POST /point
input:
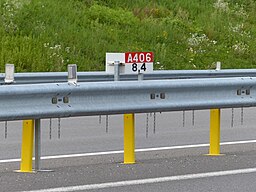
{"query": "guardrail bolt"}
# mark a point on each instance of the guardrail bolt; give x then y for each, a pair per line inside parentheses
(154, 129)
(147, 119)
(106, 123)
(66, 99)
(59, 130)
(193, 117)
(100, 119)
(184, 118)
(232, 117)
(162, 95)
(50, 128)
(152, 96)
(54, 100)
(242, 116)
(5, 130)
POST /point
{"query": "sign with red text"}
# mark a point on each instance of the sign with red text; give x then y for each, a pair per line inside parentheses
(130, 62)
(139, 62)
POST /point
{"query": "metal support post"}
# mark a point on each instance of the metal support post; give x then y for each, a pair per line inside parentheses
(129, 144)
(72, 74)
(214, 149)
(140, 76)
(218, 66)
(9, 73)
(27, 146)
(129, 139)
(116, 71)
(37, 144)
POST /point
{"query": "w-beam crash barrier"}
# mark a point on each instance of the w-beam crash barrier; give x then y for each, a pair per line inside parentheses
(56, 100)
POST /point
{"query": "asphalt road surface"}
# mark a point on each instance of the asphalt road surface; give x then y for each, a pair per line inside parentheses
(182, 168)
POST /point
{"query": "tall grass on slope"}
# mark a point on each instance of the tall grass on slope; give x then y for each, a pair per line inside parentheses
(46, 35)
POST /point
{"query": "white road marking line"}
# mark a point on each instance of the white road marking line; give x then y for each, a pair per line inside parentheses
(9, 160)
(137, 150)
(147, 181)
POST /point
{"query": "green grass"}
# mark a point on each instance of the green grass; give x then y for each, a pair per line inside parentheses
(46, 35)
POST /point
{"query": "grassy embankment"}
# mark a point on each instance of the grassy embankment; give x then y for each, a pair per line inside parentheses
(46, 35)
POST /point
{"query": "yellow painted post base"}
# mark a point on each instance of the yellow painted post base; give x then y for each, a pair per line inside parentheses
(27, 146)
(129, 139)
(215, 154)
(24, 171)
(214, 149)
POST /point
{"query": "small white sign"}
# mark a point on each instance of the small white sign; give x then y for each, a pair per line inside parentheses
(111, 58)
(132, 62)
(139, 62)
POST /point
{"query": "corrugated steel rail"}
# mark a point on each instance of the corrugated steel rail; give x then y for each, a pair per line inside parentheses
(53, 77)
(102, 98)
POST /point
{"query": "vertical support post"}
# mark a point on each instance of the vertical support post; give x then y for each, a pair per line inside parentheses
(218, 66)
(116, 71)
(129, 144)
(214, 149)
(9, 73)
(140, 76)
(37, 144)
(129, 139)
(72, 73)
(27, 146)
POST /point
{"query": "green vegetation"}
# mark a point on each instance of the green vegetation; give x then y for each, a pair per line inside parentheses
(46, 35)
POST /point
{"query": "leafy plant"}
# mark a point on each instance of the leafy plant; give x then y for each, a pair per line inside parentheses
(48, 35)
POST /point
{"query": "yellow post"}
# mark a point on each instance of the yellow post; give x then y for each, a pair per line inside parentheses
(214, 149)
(27, 146)
(129, 139)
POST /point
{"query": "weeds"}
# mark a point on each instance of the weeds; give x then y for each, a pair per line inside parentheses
(47, 35)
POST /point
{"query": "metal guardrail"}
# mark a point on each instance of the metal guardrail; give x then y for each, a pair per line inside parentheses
(102, 98)
(54, 77)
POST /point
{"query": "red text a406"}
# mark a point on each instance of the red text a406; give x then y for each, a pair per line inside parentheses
(138, 57)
